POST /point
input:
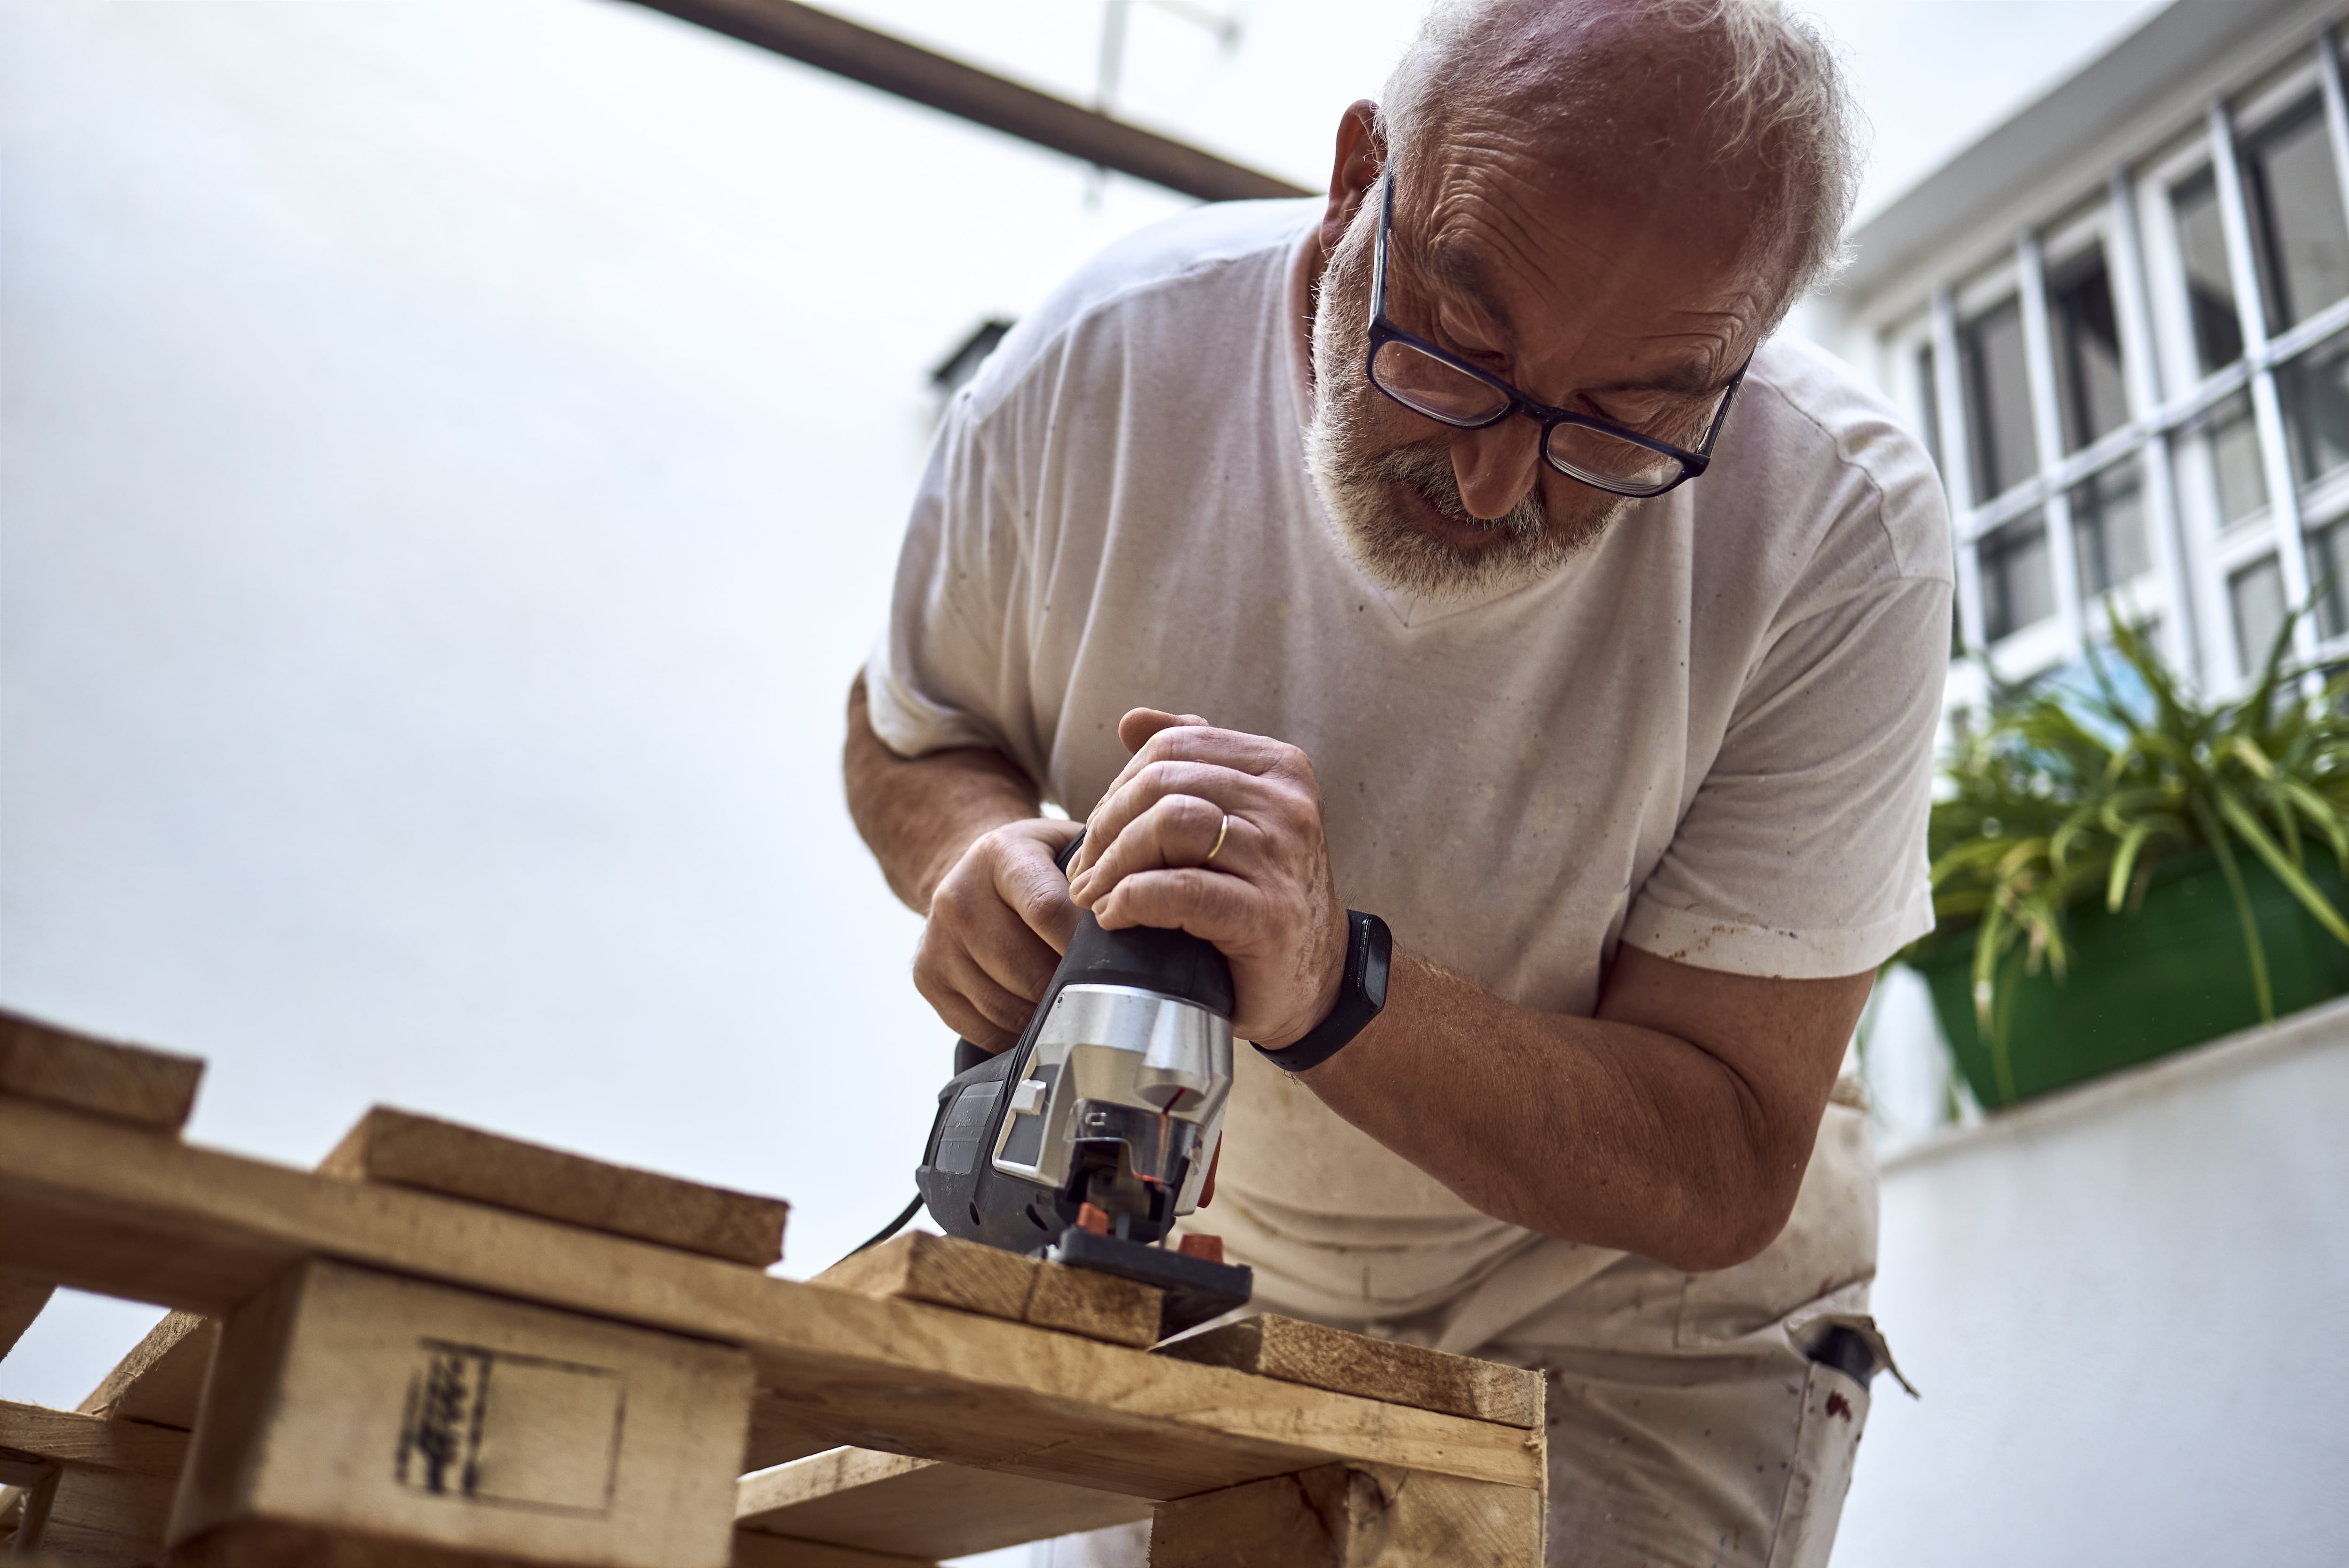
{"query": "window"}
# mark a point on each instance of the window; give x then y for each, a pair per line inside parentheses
(1998, 401)
(2297, 226)
(2018, 589)
(2256, 595)
(1929, 404)
(2087, 350)
(2108, 529)
(2328, 578)
(2209, 284)
(2314, 392)
(2226, 440)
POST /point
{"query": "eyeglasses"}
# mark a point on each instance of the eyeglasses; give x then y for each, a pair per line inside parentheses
(1438, 386)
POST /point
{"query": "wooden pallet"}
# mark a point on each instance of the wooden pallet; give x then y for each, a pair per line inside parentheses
(446, 1348)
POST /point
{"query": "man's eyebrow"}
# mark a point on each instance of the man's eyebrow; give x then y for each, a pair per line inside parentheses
(1693, 379)
(1459, 269)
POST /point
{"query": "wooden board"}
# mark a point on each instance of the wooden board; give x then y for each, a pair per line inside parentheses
(950, 1272)
(108, 1208)
(161, 1381)
(110, 1492)
(22, 1297)
(403, 1150)
(100, 1077)
(1342, 1516)
(1319, 1356)
(754, 1550)
(346, 1399)
(890, 1504)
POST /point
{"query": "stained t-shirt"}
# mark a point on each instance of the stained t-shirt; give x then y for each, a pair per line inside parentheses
(1708, 735)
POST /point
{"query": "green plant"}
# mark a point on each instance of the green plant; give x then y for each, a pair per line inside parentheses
(2056, 797)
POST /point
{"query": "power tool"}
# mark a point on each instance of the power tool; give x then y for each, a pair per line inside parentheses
(1085, 1141)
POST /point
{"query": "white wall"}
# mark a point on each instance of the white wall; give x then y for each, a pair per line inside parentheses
(2127, 1309)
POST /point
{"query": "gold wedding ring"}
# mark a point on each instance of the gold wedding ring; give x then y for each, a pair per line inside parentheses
(1220, 840)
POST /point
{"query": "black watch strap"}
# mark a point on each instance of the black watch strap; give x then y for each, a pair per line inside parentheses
(1362, 992)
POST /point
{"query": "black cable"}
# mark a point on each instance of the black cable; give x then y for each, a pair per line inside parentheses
(891, 1229)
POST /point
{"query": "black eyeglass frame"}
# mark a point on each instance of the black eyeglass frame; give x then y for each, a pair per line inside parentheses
(1383, 331)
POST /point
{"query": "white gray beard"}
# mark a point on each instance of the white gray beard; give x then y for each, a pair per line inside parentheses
(1374, 522)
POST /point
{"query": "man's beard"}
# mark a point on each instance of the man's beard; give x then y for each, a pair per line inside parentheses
(1365, 490)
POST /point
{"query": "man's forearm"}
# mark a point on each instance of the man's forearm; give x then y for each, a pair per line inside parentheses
(919, 814)
(1602, 1130)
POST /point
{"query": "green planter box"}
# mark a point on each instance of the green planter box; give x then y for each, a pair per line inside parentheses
(2139, 987)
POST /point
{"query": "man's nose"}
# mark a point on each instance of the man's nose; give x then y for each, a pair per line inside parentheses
(1496, 466)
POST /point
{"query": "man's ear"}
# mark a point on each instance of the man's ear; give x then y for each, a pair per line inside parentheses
(1362, 157)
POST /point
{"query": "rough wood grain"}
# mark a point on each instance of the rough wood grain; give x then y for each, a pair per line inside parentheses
(1296, 1351)
(1342, 1516)
(754, 1550)
(111, 1490)
(100, 1077)
(105, 1207)
(350, 1401)
(281, 1543)
(890, 1504)
(401, 1149)
(161, 1381)
(950, 1272)
(22, 1297)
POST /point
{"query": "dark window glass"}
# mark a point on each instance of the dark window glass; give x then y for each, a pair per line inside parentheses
(2314, 391)
(2256, 595)
(2087, 350)
(2297, 226)
(2328, 577)
(1998, 401)
(2017, 587)
(2210, 286)
(1929, 403)
(2108, 529)
(2229, 435)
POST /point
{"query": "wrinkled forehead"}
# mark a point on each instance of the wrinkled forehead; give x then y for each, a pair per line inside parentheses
(1510, 220)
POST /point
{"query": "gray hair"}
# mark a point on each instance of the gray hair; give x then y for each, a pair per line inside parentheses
(1782, 95)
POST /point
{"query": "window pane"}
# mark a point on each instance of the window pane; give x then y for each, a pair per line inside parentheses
(2210, 286)
(2256, 593)
(2018, 588)
(2328, 577)
(2087, 349)
(2297, 224)
(2315, 389)
(1929, 403)
(2108, 529)
(1998, 401)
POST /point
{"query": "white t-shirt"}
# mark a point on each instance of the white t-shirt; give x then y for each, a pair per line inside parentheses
(1709, 736)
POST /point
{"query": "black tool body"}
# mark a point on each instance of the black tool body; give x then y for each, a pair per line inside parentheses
(970, 1195)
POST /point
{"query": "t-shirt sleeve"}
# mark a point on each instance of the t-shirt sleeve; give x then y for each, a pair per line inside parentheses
(1803, 853)
(950, 670)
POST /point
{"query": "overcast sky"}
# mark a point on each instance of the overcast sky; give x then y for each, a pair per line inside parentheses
(451, 456)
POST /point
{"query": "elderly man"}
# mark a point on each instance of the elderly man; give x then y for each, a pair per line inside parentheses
(1510, 583)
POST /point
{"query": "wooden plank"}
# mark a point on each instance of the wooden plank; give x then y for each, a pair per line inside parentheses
(41, 1062)
(1319, 1356)
(1341, 1516)
(753, 1549)
(161, 1381)
(891, 1504)
(351, 1401)
(111, 1494)
(400, 1148)
(106, 1207)
(950, 1272)
(22, 1297)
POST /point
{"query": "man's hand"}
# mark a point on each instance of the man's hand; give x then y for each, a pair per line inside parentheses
(998, 922)
(1218, 833)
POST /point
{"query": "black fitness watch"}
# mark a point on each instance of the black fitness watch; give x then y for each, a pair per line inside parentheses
(1362, 992)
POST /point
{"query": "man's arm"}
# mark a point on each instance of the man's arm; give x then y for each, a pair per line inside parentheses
(1676, 1123)
(959, 835)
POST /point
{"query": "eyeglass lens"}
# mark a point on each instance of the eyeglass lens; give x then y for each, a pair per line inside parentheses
(1443, 392)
